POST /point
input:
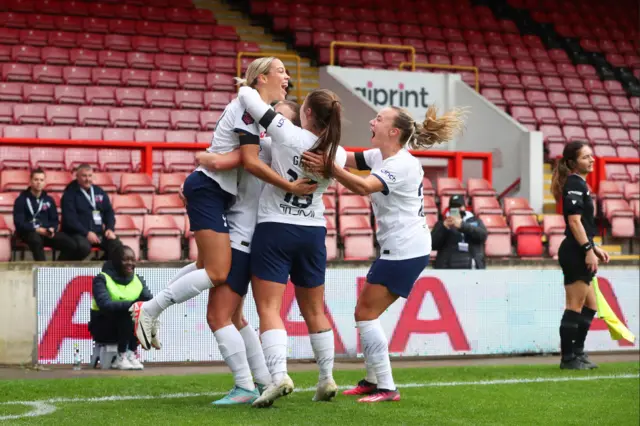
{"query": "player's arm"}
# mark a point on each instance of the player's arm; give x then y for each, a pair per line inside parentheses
(359, 185)
(277, 126)
(218, 162)
(249, 149)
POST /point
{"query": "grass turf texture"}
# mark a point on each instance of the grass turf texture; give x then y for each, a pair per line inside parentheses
(593, 402)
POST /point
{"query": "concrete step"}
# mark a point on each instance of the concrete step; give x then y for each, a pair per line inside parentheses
(625, 257)
(547, 167)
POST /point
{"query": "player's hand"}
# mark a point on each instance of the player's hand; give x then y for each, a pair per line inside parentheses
(454, 221)
(51, 232)
(207, 160)
(602, 255)
(313, 162)
(303, 186)
(592, 261)
(93, 238)
(43, 231)
(110, 235)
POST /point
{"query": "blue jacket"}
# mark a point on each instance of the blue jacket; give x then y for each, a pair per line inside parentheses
(47, 217)
(77, 213)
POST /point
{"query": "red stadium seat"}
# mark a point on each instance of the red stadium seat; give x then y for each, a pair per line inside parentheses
(14, 157)
(180, 136)
(498, 243)
(93, 116)
(72, 75)
(554, 228)
(609, 190)
(100, 95)
(38, 93)
(163, 238)
(155, 118)
(57, 180)
(547, 116)
(486, 205)
(480, 187)
(449, 186)
(620, 216)
(170, 182)
(609, 119)
(129, 204)
(14, 180)
(128, 233)
(115, 159)
(528, 235)
(62, 114)
(223, 82)
(46, 158)
(168, 204)
(86, 133)
(136, 182)
(7, 200)
(129, 96)
(180, 161)
(29, 114)
(186, 99)
(5, 240)
(125, 117)
(73, 157)
(517, 206)
(354, 204)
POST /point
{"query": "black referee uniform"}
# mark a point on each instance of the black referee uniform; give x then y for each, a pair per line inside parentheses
(574, 326)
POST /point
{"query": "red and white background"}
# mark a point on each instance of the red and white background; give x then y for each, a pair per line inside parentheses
(448, 313)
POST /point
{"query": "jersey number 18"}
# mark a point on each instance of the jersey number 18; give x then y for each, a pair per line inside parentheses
(294, 200)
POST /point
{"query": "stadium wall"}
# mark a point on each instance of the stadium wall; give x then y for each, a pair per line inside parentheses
(517, 152)
(449, 313)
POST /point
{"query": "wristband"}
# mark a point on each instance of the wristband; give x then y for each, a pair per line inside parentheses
(587, 246)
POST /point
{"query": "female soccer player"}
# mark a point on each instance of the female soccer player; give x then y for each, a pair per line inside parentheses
(395, 186)
(224, 310)
(209, 195)
(578, 255)
(290, 237)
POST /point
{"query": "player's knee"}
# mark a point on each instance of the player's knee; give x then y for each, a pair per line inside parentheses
(216, 321)
(216, 276)
(364, 313)
(239, 320)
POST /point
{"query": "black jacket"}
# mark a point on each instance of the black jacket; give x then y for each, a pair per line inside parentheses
(102, 296)
(445, 241)
(77, 216)
(47, 217)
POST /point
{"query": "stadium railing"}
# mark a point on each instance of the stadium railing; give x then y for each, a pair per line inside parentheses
(454, 158)
(410, 49)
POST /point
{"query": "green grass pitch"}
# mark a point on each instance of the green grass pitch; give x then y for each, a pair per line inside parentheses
(496, 395)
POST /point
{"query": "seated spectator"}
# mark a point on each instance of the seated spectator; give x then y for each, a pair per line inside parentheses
(459, 239)
(114, 290)
(87, 215)
(35, 216)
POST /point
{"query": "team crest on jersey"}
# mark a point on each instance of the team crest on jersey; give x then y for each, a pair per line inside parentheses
(247, 118)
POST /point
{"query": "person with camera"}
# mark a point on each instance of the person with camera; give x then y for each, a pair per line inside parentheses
(459, 238)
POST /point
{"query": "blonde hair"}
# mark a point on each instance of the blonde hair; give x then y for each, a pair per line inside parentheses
(258, 67)
(433, 130)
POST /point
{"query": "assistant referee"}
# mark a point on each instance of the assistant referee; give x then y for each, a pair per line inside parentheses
(578, 255)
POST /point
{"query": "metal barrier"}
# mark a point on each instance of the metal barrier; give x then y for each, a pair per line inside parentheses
(454, 158)
(333, 44)
(278, 55)
(601, 171)
(445, 67)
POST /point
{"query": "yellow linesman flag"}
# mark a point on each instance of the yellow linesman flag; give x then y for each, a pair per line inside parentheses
(616, 328)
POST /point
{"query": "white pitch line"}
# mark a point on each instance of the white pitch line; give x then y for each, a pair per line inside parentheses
(44, 407)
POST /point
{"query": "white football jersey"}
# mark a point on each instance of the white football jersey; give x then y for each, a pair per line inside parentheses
(288, 144)
(243, 214)
(225, 139)
(399, 210)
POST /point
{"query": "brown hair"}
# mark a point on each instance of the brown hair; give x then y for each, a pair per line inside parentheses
(294, 107)
(326, 113)
(36, 171)
(566, 165)
(433, 130)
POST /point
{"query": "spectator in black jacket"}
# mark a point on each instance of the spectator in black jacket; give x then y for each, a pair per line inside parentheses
(36, 220)
(114, 290)
(459, 239)
(87, 215)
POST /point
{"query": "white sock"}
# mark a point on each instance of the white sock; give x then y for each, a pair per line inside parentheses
(274, 346)
(232, 349)
(371, 374)
(184, 271)
(184, 288)
(255, 356)
(376, 352)
(324, 351)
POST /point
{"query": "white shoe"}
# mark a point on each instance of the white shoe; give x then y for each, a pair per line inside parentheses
(155, 334)
(122, 363)
(135, 362)
(274, 391)
(142, 325)
(326, 390)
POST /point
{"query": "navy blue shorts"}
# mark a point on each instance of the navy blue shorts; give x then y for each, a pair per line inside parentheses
(282, 250)
(240, 272)
(207, 203)
(398, 276)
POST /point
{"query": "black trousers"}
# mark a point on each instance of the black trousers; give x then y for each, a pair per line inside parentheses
(60, 242)
(84, 246)
(113, 327)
